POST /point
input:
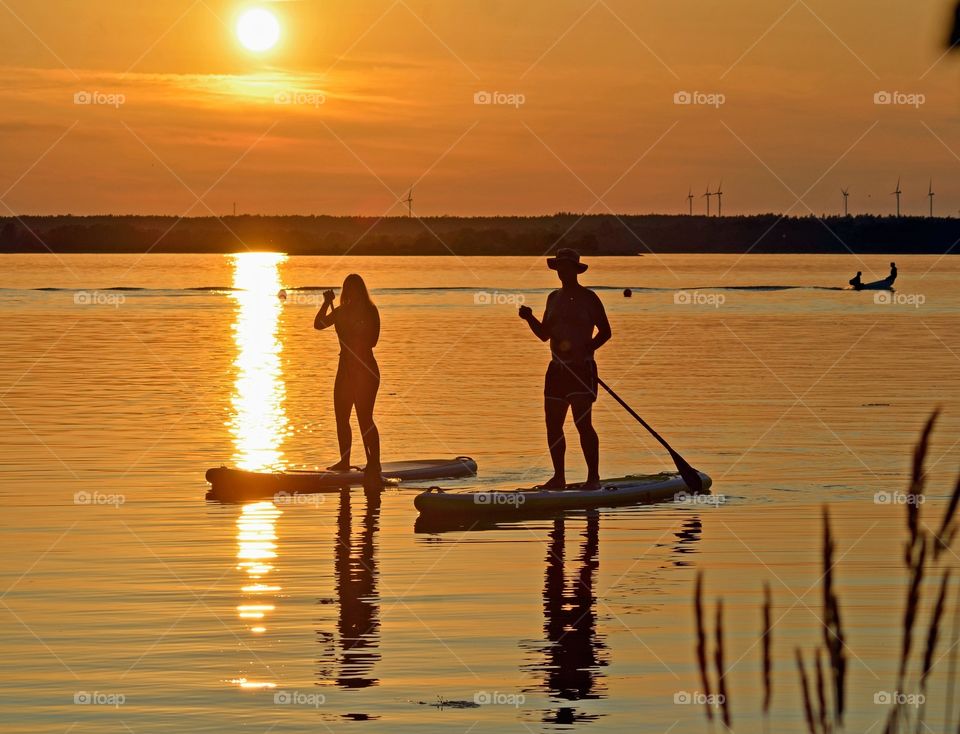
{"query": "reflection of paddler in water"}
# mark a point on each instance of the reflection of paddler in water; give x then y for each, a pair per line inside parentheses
(358, 622)
(690, 534)
(574, 653)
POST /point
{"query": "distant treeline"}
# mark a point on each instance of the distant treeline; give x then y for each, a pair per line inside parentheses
(592, 234)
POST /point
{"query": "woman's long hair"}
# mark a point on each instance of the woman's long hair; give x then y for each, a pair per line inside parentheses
(354, 294)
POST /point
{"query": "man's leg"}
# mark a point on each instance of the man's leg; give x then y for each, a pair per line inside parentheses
(582, 409)
(556, 413)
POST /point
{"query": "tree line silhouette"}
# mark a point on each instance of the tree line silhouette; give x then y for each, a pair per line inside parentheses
(463, 236)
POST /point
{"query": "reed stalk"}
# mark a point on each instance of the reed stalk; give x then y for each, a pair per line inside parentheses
(702, 642)
(721, 672)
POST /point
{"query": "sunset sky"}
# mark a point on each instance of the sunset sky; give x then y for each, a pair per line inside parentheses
(360, 99)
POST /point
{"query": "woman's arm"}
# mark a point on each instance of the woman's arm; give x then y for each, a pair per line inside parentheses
(326, 316)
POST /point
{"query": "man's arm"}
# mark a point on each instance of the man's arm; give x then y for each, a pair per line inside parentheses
(538, 327)
(603, 327)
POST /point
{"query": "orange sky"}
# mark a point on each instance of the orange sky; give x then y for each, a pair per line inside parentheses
(199, 126)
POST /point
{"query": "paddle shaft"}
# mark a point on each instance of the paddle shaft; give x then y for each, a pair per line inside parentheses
(690, 475)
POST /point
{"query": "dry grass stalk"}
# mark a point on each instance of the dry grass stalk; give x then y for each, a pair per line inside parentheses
(702, 642)
(805, 688)
(933, 632)
(913, 605)
(948, 527)
(721, 672)
(952, 667)
(821, 693)
(920, 547)
(767, 648)
(833, 629)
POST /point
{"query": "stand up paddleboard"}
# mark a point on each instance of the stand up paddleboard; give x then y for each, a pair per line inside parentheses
(504, 504)
(237, 485)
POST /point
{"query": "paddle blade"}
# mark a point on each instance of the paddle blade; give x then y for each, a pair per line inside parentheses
(691, 476)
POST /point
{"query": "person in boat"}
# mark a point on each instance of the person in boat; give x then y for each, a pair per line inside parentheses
(576, 325)
(357, 323)
(893, 273)
(856, 280)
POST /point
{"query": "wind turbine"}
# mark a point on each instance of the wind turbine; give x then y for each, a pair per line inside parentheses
(930, 195)
(690, 200)
(719, 194)
(846, 195)
(708, 194)
(897, 194)
(409, 202)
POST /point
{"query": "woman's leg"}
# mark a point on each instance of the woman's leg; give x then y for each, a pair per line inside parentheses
(342, 405)
(366, 398)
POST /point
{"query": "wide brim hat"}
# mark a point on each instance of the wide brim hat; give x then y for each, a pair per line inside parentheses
(566, 256)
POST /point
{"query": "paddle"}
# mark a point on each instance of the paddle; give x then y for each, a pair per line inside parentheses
(689, 474)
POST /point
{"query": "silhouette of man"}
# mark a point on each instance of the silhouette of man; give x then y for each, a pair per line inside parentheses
(576, 324)
(893, 272)
(856, 281)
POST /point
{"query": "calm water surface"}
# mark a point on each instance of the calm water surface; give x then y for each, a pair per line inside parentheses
(174, 614)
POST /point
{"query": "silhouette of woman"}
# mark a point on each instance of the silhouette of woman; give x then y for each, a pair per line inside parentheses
(357, 323)
(349, 656)
(356, 574)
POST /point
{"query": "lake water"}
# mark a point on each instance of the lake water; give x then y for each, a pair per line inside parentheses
(171, 613)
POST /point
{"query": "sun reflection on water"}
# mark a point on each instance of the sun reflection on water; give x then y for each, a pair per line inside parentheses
(259, 421)
(258, 425)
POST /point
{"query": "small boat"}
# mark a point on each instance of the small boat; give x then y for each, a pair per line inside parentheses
(636, 489)
(237, 485)
(878, 285)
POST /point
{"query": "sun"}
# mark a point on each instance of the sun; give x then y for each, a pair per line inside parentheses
(258, 29)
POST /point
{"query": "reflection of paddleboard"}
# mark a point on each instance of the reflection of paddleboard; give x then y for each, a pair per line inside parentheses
(631, 490)
(237, 485)
(878, 285)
